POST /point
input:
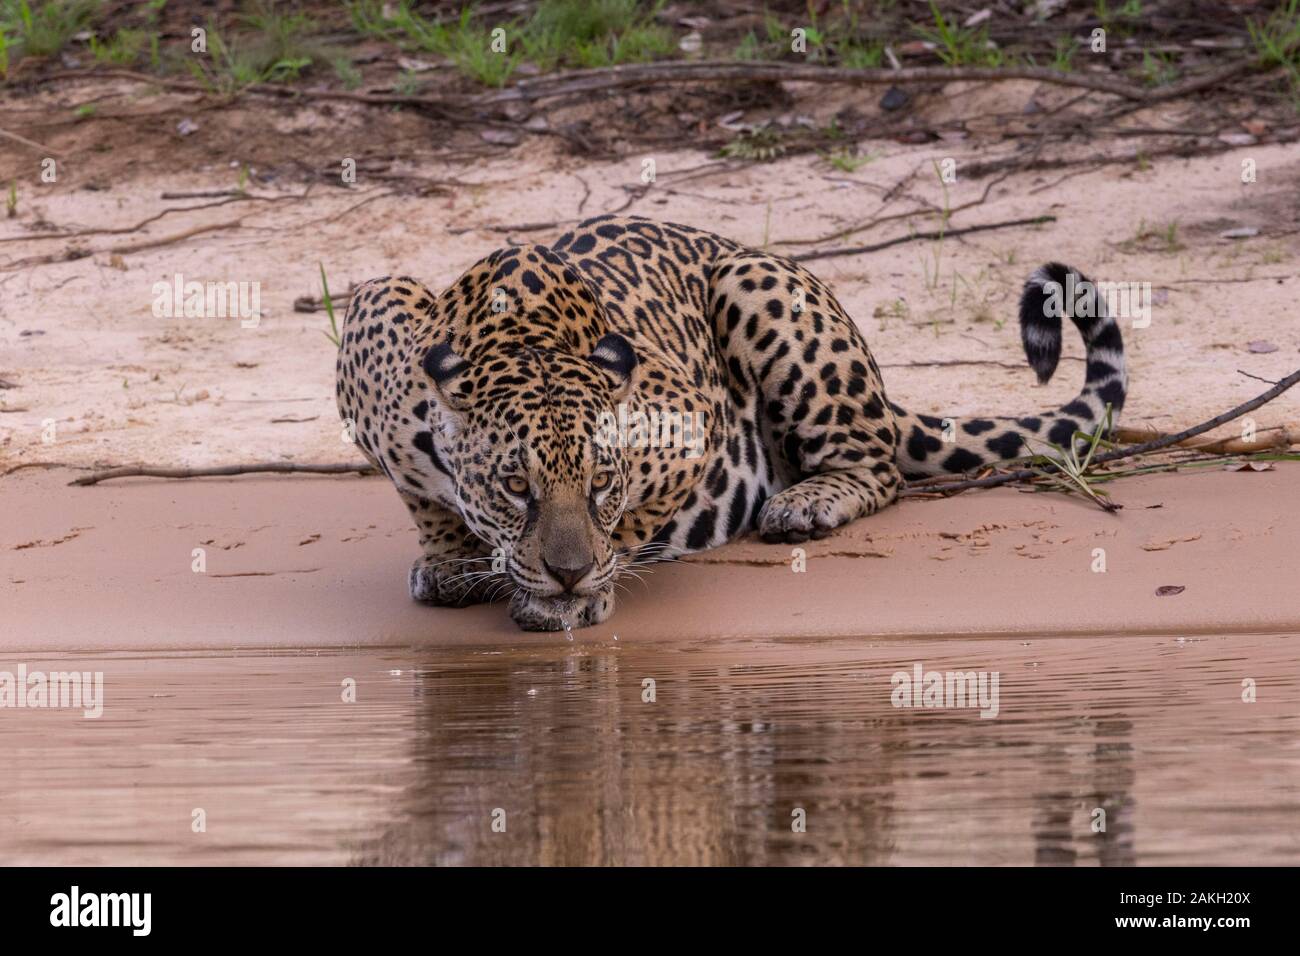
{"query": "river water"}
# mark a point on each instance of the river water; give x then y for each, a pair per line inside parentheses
(1110, 750)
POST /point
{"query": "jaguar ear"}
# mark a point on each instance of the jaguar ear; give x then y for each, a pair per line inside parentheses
(447, 369)
(614, 354)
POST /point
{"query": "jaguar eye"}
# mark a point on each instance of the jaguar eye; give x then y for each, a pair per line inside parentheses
(517, 485)
(601, 480)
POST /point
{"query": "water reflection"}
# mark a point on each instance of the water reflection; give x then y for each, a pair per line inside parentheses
(672, 753)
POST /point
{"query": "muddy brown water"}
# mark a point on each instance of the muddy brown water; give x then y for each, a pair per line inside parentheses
(747, 753)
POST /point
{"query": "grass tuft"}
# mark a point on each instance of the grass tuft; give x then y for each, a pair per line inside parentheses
(560, 33)
(41, 30)
(1277, 43)
(333, 333)
(1066, 470)
(956, 45)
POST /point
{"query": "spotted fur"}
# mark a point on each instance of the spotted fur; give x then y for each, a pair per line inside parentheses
(488, 405)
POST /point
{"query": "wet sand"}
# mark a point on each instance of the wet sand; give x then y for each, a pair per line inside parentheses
(559, 744)
(296, 562)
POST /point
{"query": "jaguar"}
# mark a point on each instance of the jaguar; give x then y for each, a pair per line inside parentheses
(638, 390)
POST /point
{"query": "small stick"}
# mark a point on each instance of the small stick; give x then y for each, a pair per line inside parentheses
(1024, 474)
(27, 142)
(917, 236)
(280, 467)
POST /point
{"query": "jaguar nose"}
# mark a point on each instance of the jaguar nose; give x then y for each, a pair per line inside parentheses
(568, 578)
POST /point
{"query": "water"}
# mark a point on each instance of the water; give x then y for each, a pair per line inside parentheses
(559, 746)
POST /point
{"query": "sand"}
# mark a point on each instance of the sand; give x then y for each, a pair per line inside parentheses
(89, 375)
(300, 562)
(100, 378)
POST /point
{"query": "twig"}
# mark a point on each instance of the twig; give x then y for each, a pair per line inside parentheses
(202, 194)
(1025, 474)
(27, 142)
(917, 236)
(724, 71)
(947, 214)
(1266, 381)
(125, 230)
(35, 464)
(278, 467)
(70, 254)
(585, 82)
(953, 363)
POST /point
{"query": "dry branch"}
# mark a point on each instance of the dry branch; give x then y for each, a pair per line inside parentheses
(455, 107)
(941, 487)
(917, 236)
(727, 71)
(276, 467)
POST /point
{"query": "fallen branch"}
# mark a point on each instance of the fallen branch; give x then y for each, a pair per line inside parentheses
(71, 254)
(929, 486)
(29, 143)
(954, 363)
(947, 214)
(729, 71)
(1178, 151)
(1270, 438)
(126, 230)
(276, 467)
(602, 79)
(918, 236)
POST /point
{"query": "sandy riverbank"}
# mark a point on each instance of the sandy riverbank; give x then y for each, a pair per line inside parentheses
(315, 562)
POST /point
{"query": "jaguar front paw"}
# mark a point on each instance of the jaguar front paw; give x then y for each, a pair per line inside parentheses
(452, 580)
(799, 513)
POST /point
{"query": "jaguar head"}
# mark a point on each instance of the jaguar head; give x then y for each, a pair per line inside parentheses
(537, 474)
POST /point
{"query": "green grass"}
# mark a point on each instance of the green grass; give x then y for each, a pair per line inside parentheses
(839, 40)
(124, 48)
(846, 160)
(1063, 51)
(1158, 68)
(268, 46)
(956, 45)
(1277, 43)
(1154, 238)
(760, 145)
(333, 333)
(591, 33)
(1119, 21)
(560, 33)
(347, 74)
(1066, 470)
(43, 29)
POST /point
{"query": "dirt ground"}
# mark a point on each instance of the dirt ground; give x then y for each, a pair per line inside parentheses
(83, 349)
(93, 377)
